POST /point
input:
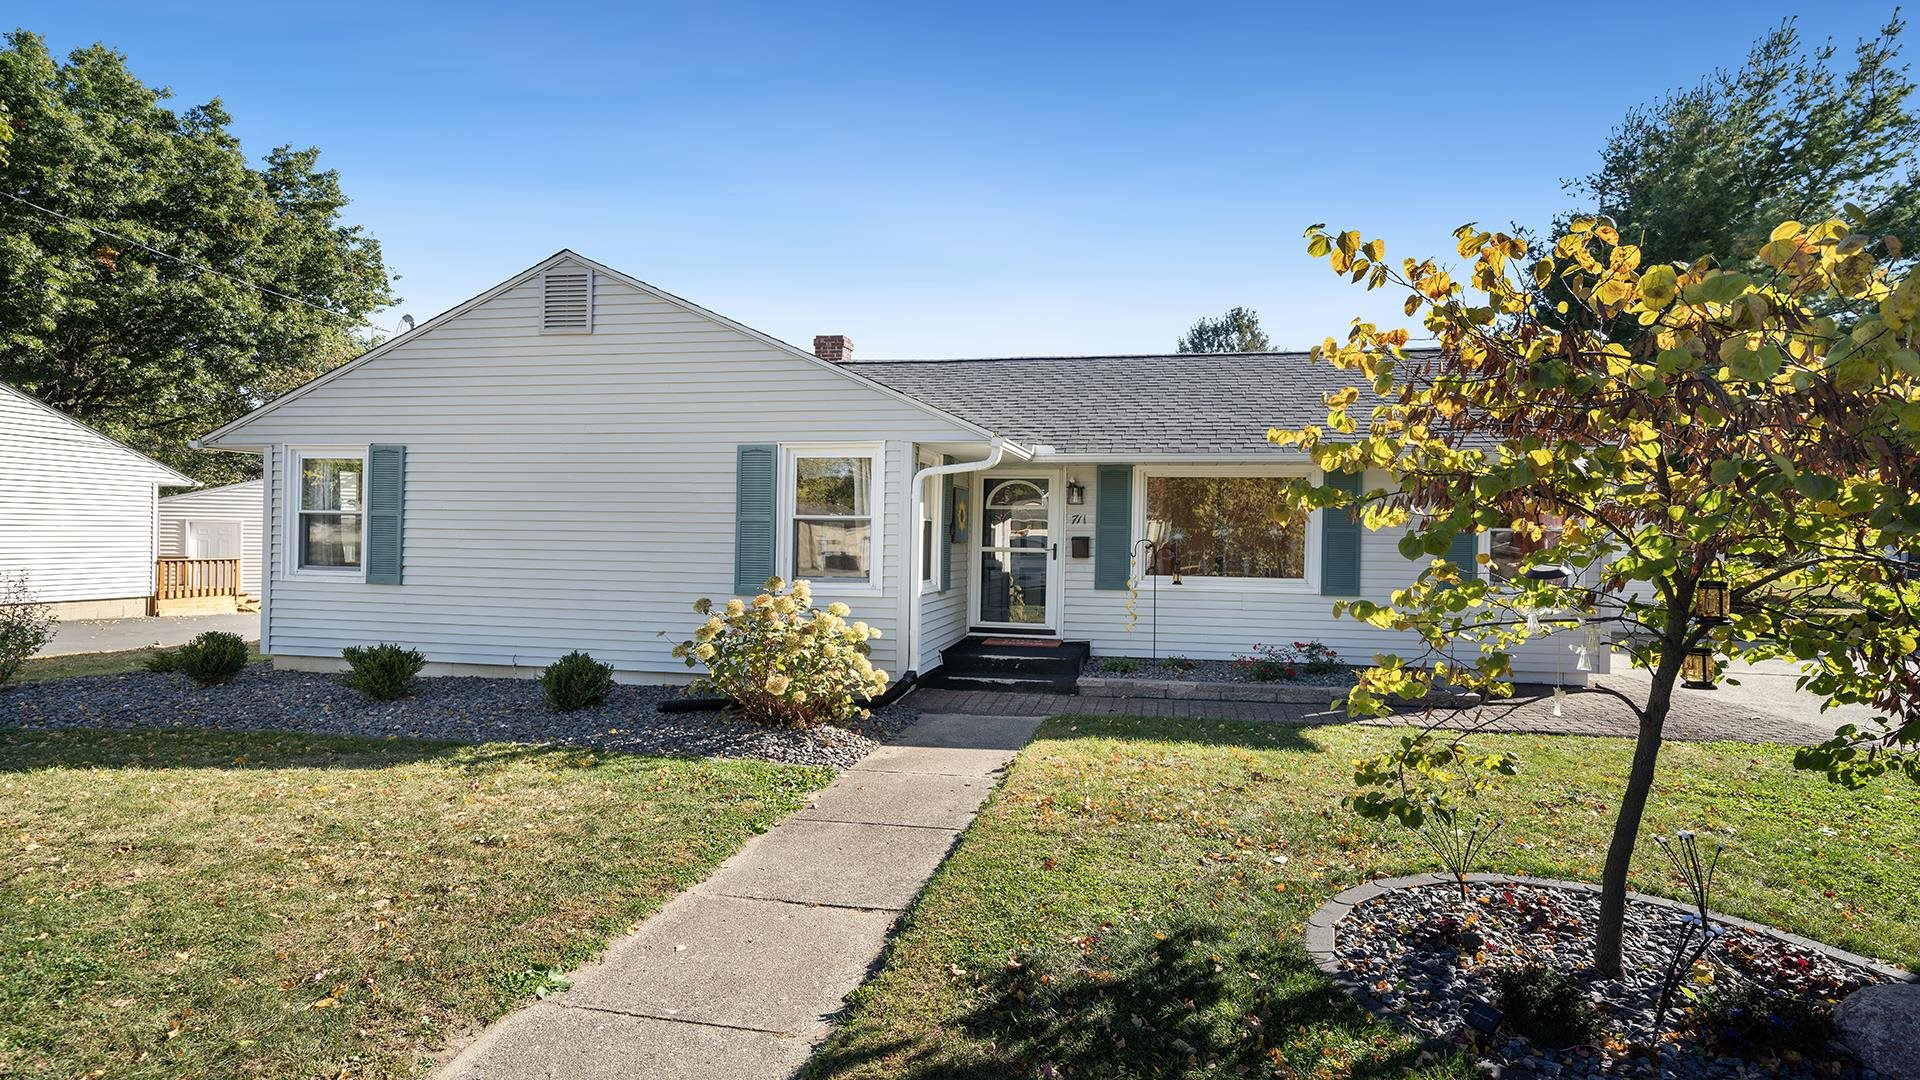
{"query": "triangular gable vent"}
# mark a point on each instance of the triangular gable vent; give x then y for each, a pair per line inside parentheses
(566, 301)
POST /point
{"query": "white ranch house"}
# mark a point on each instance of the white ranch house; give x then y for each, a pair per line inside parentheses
(568, 460)
(78, 511)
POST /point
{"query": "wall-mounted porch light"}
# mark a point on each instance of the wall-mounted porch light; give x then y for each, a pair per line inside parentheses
(1076, 493)
(1696, 670)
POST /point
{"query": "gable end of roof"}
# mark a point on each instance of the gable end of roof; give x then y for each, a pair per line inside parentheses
(166, 477)
(565, 255)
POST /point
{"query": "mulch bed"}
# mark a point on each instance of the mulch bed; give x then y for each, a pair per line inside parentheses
(454, 709)
(1426, 957)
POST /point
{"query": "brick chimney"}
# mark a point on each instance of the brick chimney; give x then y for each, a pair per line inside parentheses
(835, 348)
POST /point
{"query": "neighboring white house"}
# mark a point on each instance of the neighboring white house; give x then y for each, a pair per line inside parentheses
(568, 460)
(216, 523)
(78, 511)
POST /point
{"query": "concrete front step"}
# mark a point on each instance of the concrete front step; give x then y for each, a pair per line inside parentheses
(1010, 662)
(1008, 666)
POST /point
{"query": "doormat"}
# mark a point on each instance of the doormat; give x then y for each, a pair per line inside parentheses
(1031, 642)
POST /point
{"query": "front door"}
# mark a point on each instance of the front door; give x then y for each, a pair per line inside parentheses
(1019, 553)
(213, 540)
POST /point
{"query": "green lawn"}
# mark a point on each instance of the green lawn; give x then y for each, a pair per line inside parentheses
(187, 904)
(100, 663)
(1122, 907)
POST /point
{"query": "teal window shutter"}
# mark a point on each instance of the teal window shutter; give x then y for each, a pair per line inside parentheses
(1340, 542)
(753, 514)
(946, 526)
(386, 494)
(1112, 526)
(1464, 553)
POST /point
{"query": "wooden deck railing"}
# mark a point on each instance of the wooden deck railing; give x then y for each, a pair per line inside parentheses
(202, 584)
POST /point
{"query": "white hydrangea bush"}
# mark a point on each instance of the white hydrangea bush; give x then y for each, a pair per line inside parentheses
(783, 661)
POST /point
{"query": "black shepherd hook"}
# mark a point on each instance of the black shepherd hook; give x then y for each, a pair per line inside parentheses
(1153, 552)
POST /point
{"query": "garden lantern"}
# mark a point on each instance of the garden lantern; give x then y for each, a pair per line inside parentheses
(1696, 670)
(1711, 601)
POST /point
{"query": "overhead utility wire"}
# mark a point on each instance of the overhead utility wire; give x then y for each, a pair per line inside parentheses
(150, 249)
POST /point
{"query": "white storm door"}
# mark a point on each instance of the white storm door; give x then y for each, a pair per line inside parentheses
(1016, 572)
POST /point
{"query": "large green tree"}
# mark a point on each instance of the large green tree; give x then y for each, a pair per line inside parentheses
(1676, 433)
(1236, 331)
(1789, 135)
(155, 349)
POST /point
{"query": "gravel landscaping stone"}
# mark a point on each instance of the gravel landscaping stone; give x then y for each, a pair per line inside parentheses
(1420, 955)
(453, 709)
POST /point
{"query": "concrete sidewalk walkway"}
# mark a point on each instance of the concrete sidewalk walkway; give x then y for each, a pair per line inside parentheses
(740, 975)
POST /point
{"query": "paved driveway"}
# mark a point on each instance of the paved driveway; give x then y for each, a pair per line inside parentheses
(117, 635)
(1765, 698)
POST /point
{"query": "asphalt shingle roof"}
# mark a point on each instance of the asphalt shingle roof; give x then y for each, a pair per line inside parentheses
(1214, 403)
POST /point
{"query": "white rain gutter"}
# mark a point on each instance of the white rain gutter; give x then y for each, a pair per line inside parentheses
(997, 450)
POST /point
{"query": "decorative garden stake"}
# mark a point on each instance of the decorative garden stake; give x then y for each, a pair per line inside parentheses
(1698, 931)
(1457, 847)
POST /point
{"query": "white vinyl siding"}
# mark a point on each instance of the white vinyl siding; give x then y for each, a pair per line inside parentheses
(76, 508)
(234, 502)
(1218, 621)
(943, 615)
(573, 492)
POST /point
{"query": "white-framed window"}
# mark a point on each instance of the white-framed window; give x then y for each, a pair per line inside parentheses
(1508, 549)
(326, 503)
(831, 494)
(933, 548)
(1226, 525)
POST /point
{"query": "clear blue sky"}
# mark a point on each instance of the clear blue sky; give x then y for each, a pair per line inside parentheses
(966, 180)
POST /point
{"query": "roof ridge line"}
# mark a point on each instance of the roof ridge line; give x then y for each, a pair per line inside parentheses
(1289, 353)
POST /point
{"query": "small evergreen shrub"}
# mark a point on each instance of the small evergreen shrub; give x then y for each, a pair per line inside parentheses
(26, 624)
(1120, 665)
(576, 681)
(210, 659)
(783, 661)
(1547, 1006)
(1745, 1019)
(382, 672)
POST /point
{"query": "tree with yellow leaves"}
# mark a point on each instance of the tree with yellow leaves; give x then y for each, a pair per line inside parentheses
(1735, 473)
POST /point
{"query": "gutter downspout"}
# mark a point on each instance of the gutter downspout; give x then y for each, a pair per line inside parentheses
(998, 449)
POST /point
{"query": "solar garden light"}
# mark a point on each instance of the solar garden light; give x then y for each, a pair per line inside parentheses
(1696, 670)
(1712, 601)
